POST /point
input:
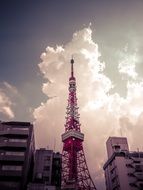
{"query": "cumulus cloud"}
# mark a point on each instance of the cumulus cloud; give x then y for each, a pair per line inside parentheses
(127, 62)
(6, 104)
(103, 113)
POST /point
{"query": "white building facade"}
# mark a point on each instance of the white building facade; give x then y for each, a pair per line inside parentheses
(123, 169)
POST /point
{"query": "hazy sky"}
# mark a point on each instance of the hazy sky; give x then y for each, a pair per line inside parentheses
(108, 67)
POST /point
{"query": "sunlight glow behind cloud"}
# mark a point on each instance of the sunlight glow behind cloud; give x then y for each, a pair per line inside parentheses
(103, 114)
(127, 64)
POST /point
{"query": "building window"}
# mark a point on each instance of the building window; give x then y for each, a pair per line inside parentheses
(18, 140)
(11, 168)
(57, 172)
(112, 171)
(47, 158)
(139, 168)
(57, 162)
(133, 185)
(10, 153)
(10, 184)
(137, 161)
(20, 128)
(141, 186)
(39, 175)
(131, 174)
(117, 148)
(47, 168)
(46, 178)
(129, 165)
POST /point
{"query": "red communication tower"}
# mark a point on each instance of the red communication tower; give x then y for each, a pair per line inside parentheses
(75, 173)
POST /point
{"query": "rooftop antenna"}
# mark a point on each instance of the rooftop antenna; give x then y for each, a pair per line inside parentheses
(138, 152)
(54, 144)
(121, 133)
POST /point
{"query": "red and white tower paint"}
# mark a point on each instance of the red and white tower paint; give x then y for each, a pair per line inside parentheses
(75, 173)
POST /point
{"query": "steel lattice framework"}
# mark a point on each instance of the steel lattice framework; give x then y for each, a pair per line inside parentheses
(75, 173)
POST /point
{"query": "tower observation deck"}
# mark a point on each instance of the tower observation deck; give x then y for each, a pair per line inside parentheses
(75, 173)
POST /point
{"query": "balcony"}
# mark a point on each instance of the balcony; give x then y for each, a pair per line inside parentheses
(112, 166)
(113, 175)
(130, 165)
(12, 158)
(139, 176)
(14, 131)
(10, 173)
(13, 144)
(131, 174)
(133, 184)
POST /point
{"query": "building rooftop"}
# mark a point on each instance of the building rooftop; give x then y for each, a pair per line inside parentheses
(17, 123)
(133, 154)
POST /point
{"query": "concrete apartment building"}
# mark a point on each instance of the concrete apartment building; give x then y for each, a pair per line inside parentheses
(16, 155)
(47, 171)
(123, 169)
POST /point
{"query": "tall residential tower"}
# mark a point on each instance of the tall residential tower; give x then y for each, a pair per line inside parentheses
(17, 148)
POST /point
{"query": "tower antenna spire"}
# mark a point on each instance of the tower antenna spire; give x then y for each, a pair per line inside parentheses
(72, 70)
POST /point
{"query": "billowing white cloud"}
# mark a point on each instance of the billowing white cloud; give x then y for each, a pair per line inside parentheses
(103, 113)
(127, 63)
(5, 105)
